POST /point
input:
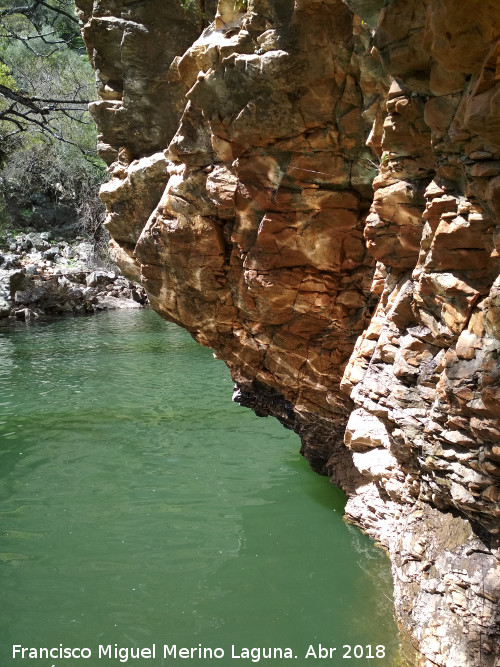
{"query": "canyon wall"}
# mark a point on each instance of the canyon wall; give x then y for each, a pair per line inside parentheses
(312, 189)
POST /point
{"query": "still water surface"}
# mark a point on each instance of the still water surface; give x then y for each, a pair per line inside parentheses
(139, 506)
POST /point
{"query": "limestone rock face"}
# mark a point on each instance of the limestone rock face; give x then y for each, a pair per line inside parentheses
(312, 189)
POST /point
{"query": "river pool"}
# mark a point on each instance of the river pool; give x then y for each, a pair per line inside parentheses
(141, 508)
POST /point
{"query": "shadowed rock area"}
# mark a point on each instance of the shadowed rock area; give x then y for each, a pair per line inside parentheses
(312, 189)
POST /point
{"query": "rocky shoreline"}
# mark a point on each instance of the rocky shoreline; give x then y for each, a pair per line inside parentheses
(42, 276)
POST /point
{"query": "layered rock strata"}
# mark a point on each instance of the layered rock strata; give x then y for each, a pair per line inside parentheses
(312, 189)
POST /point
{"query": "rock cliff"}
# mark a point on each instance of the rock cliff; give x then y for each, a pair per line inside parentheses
(312, 189)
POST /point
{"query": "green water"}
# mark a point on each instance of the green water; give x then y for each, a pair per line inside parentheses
(139, 506)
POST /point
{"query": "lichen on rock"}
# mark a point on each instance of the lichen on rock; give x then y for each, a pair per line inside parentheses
(312, 189)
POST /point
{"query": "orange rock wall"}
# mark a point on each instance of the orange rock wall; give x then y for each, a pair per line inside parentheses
(312, 189)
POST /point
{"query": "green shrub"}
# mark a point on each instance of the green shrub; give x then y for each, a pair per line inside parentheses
(49, 151)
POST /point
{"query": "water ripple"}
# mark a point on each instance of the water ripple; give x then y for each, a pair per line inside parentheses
(139, 503)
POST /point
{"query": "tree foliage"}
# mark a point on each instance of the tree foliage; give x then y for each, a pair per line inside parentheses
(47, 137)
(42, 58)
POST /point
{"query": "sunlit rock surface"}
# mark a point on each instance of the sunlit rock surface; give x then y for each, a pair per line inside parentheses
(315, 195)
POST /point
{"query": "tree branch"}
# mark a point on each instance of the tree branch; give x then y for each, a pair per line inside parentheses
(31, 102)
(58, 10)
(10, 11)
(59, 101)
(28, 10)
(20, 98)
